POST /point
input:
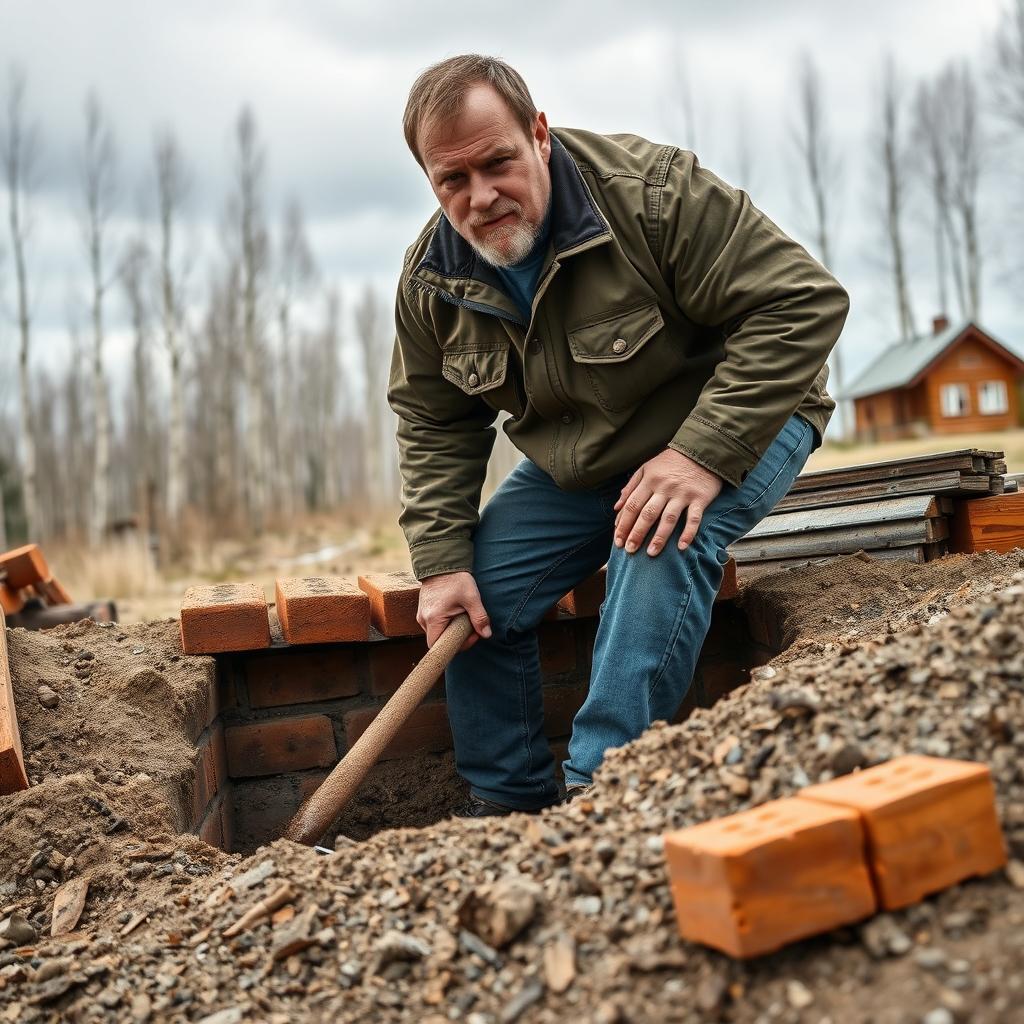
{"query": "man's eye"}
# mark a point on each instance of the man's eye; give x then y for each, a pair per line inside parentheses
(500, 160)
(451, 178)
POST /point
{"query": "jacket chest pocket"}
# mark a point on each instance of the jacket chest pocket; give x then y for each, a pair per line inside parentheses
(626, 356)
(484, 371)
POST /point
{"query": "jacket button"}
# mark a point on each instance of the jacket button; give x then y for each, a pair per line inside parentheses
(567, 417)
(535, 345)
(619, 346)
(473, 380)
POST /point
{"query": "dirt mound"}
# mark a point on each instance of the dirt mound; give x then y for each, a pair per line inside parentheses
(567, 915)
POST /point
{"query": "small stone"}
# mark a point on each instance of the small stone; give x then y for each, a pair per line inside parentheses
(17, 930)
(231, 1015)
(799, 995)
(940, 1015)
(930, 959)
(1015, 873)
(711, 993)
(848, 758)
(48, 697)
(525, 998)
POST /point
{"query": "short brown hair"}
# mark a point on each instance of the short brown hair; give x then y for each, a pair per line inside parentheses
(439, 92)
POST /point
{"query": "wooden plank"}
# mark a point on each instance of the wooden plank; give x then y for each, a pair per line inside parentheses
(943, 483)
(914, 465)
(12, 760)
(845, 540)
(989, 524)
(915, 553)
(915, 506)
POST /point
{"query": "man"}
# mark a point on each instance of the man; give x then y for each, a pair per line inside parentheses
(660, 345)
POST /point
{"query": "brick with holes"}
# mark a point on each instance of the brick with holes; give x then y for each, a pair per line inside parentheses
(322, 610)
(930, 822)
(752, 882)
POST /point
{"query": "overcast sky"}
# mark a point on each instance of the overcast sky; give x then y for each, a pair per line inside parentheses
(327, 82)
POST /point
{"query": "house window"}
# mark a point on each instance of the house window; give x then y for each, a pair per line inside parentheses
(992, 397)
(955, 400)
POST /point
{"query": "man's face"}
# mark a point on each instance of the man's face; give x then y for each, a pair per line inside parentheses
(491, 180)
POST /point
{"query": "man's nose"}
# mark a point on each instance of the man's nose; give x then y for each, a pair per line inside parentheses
(482, 195)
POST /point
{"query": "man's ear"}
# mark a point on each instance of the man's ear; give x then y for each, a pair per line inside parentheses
(542, 136)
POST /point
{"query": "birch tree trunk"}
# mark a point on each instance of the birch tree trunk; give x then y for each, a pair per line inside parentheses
(18, 150)
(98, 166)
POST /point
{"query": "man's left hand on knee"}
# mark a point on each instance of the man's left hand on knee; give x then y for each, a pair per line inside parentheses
(661, 492)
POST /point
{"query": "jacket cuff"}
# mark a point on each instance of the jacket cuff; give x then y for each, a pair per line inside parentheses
(447, 554)
(714, 449)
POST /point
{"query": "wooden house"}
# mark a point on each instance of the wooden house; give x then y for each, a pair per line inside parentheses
(956, 380)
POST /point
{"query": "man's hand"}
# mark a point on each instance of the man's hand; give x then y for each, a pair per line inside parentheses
(445, 596)
(664, 488)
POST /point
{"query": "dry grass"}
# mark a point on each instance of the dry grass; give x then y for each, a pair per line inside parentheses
(832, 456)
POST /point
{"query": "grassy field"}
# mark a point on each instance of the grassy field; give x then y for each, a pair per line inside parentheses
(831, 456)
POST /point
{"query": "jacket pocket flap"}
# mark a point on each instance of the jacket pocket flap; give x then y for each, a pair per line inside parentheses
(616, 338)
(477, 371)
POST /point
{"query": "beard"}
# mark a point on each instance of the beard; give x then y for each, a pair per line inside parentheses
(508, 244)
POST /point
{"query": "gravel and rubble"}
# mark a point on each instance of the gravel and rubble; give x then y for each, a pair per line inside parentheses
(567, 916)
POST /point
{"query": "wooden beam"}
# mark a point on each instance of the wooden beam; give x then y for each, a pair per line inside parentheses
(916, 506)
(12, 760)
(914, 465)
(940, 483)
(988, 524)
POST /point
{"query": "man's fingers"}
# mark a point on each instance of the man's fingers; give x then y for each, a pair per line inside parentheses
(646, 519)
(669, 519)
(627, 490)
(693, 517)
(629, 512)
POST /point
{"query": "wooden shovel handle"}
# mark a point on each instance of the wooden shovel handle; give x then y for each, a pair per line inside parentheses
(317, 812)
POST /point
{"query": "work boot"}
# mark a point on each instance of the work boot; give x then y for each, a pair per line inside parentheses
(574, 790)
(478, 807)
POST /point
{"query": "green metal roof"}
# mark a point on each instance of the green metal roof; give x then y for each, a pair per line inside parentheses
(902, 361)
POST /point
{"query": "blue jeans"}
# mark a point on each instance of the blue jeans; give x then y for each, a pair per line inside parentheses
(534, 543)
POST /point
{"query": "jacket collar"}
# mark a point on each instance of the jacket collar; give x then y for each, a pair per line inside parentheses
(576, 224)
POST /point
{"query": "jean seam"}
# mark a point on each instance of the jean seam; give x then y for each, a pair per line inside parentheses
(673, 637)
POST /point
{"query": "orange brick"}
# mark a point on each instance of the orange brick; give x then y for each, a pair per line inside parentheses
(11, 600)
(730, 587)
(322, 610)
(750, 883)
(218, 757)
(12, 761)
(51, 591)
(557, 647)
(280, 745)
(301, 677)
(224, 617)
(390, 663)
(585, 600)
(394, 601)
(211, 830)
(930, 822)
(426, 730)
(204, 786)
(227, 822)
(24, 566)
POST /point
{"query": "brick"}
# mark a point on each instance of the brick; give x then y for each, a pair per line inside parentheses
(750, 883)
(426, 730)
(995, 523)
(218, 756)
(262, 808)
(204, 785)
(11, 600)
(224, 617)
(730, 586)
(930, 823)
(12, 760)
(584, 601)
(322, 610)
(390, 663)
(560, 706)
(557, 648)
(24, 566)
(227, 822)
(394, 601)
(300, 677)
(280, 745)
(211, 828)
(52, 591)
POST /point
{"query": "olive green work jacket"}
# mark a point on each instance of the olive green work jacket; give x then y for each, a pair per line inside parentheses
(670, 312)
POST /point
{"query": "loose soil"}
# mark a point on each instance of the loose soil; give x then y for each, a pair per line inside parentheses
(562, 916)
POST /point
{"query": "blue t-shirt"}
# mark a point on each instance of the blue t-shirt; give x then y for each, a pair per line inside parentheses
(521, 278)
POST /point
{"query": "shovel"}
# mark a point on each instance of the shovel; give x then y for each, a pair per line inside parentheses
(321, 808)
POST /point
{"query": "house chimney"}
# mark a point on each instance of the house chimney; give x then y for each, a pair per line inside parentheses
(939, 323)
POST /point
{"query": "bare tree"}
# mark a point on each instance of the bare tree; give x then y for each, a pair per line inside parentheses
(820, 166)
(369, 323)
(251, 242)
(296, 271)
(892, 158)
(171, 190)
(98, 167)
(1007, 72)
(19, 152)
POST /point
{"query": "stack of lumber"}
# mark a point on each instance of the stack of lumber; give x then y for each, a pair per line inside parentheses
(900, 509)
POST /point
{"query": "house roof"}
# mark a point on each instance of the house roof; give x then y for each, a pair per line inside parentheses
(898, 365)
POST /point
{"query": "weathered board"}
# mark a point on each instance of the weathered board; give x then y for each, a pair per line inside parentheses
(953, 483)
(915, 506)
(12, 761)
(919, 553)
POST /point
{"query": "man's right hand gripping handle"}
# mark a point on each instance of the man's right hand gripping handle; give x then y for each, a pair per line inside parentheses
(447, 595)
